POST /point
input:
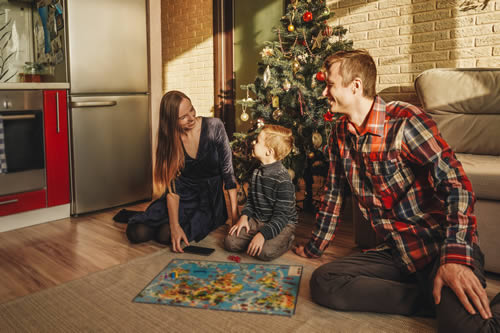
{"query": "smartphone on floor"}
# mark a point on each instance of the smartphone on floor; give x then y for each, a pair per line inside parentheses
(204, 251)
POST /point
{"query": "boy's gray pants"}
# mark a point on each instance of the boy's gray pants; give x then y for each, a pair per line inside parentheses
(272, 248)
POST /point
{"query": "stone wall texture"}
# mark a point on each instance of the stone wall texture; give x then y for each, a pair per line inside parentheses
(406, 37)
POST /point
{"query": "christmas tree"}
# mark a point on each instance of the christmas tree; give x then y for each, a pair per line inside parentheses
(287, 90)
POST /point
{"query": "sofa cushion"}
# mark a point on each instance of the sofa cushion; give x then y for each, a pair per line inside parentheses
(484, 173)
(465, 104)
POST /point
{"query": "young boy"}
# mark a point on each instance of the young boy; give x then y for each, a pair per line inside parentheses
(267, 224)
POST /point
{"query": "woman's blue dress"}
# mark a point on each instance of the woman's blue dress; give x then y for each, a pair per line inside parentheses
(202, 207)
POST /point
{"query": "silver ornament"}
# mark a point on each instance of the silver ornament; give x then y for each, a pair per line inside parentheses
(287, 85)
(244, 116)
(267, 76)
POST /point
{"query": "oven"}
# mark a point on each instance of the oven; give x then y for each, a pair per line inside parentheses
(21, 114)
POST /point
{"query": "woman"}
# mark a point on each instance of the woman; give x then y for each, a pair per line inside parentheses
(193, 160)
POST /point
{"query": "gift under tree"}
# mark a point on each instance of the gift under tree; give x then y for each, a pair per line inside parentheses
(287, 91)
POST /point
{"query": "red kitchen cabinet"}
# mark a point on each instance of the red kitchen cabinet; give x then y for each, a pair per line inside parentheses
(21, 202)
(55, 116)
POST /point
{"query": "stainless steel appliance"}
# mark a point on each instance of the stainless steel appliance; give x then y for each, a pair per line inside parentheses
(22, 116)
(109, 103)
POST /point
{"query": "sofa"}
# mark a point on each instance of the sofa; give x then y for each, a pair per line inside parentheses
(465, 104)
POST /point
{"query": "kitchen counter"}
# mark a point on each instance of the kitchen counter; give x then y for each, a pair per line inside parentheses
(34, 85)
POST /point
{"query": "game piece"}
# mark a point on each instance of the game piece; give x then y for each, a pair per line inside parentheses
(234, 258)
(173, 275)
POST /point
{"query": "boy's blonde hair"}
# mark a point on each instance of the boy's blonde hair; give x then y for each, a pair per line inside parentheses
(279, 139)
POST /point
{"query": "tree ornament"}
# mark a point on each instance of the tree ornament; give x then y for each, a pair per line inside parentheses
(260, 123)
(244, 116)
(277, 114)
(320, 76)
(317, 40)
(287, 85)
(307, 17)
(310, 155)
(328, 31)
(267, 76)
(316, 139)
(291, 27)
(328, 116)
(295, 66)
(291, 173)
(326, 11)
(276, 102)
(313, 82)
(267, 52)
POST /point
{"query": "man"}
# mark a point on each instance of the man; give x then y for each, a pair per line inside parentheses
(410, 186)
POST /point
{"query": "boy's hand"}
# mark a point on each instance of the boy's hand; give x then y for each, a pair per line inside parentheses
(255, 246)
(242, 223)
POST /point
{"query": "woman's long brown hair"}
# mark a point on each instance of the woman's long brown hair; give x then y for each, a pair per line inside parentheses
(169, 152)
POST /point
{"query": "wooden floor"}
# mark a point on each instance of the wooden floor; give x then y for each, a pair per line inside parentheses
(46, 255)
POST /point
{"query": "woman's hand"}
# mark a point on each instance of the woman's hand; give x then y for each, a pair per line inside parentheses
(177, 235)
(242, 223)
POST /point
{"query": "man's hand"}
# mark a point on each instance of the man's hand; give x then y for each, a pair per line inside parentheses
(242, 223)
(177, 235)
(255, 246)
(465, 285)
(299, 250)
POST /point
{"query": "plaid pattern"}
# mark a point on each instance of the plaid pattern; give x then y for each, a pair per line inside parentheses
(408, 184)
(3, 158)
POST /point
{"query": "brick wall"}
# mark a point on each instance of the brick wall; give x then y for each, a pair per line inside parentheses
(187, 51)
(406, 37)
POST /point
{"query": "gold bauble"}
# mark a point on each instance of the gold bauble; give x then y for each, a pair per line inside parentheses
(317, 140)
(291, 28)
(244, 116)
(310, 155)
(277, 114)
(295, 66)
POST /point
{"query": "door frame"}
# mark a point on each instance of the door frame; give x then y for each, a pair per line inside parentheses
(224, 90)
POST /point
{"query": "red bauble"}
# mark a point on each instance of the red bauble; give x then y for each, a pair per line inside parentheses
(308, 16)
(303, 42)
(328, 116)
(320, 76)
(328, 31)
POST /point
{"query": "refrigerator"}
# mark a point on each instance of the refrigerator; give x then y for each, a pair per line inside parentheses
(108, 103)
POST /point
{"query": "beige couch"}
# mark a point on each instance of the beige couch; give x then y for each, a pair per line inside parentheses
(465, 104)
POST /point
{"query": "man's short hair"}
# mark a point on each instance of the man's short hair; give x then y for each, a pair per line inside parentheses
(353, 64)
(279, 139)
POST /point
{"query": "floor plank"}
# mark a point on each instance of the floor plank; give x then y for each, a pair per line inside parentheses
(46, 255)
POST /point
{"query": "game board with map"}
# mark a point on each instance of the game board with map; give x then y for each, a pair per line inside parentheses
(230, 286)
